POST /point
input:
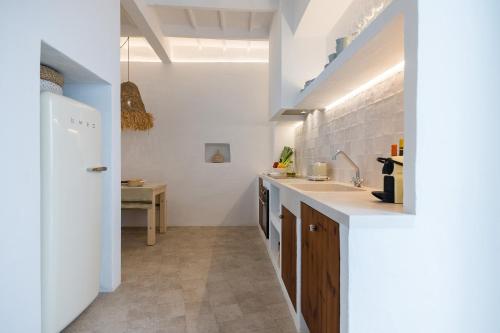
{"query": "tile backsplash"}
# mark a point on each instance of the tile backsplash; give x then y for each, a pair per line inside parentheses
(364, 127)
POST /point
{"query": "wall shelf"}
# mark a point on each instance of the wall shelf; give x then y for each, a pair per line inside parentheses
(378, 48)
(223, 149)
(388, 44)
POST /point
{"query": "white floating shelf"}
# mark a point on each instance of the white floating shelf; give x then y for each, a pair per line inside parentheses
(378, 48)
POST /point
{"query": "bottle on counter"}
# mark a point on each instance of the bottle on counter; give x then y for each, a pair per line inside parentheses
(394, 150)
(290, 170)
(401, 146)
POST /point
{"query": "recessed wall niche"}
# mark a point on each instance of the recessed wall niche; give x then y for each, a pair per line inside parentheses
(217, 153)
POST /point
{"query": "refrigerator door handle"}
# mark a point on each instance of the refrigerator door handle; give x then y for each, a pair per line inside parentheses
(97, 169)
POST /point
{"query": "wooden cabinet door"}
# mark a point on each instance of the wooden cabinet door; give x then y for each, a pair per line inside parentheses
(311, 270)
(331, 275)
(320, 283)
(289, 253)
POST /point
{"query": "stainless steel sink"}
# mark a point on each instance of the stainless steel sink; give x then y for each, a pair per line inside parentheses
(326, 187)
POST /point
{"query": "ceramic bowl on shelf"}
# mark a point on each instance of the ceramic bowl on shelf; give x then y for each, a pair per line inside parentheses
(342, 43)
(308, 82)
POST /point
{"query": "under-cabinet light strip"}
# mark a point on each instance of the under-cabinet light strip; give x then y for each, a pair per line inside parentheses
(365, 86)
(204, 60)
(221, 60)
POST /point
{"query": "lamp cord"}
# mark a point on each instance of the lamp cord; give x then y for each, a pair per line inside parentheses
(128, 56)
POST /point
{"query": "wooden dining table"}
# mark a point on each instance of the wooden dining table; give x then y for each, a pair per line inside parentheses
(147, 197)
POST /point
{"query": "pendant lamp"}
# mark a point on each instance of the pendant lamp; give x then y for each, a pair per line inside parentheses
(134, 115)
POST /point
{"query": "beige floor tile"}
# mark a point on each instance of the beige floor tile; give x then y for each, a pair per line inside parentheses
(278, 311)
(170, 296)
(171, 310)
(222, 298)
(286, 325)
(227, 313)
(204, 323)
(250, 323)
(172, 325)
(194, 280)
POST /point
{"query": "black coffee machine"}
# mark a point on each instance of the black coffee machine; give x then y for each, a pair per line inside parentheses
(393, 180)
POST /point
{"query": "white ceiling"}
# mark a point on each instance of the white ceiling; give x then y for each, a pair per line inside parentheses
(199, 30)
(206, 22)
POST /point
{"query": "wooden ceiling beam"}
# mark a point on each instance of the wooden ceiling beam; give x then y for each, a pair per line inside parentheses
(222, 20)
(144, 17)
(251, 21)
(229, 5)
(192, 18)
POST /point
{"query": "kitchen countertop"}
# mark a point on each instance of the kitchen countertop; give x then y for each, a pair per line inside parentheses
(354, 209)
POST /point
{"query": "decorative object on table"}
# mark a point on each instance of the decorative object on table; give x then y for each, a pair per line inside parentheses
(217, 152)
(342, 43)
(51, 80)
(133, 115)
(218, 157)
(135, 182)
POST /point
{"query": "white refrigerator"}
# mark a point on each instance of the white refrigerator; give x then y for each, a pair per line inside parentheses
(71, 205)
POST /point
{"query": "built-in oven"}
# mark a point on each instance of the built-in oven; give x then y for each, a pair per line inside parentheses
(264, 208)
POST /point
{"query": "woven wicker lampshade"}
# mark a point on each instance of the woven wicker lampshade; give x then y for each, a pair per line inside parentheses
(134, 115)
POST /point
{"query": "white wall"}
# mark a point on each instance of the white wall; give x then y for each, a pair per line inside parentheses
(87, 32)
(275, 69)
(292, 60)
(457, 128)
(442, 273)
(364, 127)
(283, 135)
(194, 104)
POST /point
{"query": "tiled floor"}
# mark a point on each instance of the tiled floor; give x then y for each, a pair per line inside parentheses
(194, 280)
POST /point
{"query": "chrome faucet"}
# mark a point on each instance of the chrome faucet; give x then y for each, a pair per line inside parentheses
(357, 180)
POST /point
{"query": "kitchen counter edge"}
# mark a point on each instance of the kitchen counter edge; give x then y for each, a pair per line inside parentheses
(356, 216)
